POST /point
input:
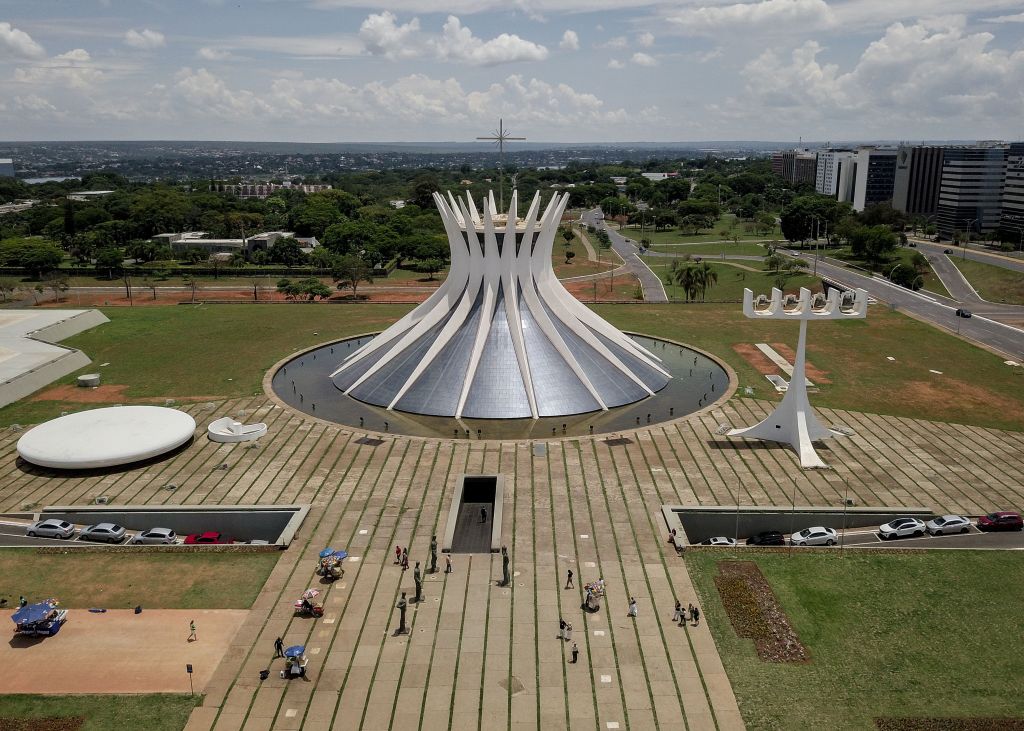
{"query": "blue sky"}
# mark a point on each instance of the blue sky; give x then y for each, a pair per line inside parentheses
(556, 70)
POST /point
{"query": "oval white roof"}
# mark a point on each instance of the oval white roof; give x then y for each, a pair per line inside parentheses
(106, 437)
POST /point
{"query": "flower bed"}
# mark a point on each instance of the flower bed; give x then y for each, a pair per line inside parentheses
(755, 613)
(950, 724)
(54, 723)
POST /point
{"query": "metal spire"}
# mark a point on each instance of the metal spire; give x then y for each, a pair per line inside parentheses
(499, 137)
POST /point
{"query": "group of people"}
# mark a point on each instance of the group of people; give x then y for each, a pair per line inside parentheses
(402, 559)
(682, 616)
(565, 635)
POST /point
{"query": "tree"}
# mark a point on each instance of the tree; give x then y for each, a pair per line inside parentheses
(683, 274)
(109, 259)
(706, 277)
(350, 270)
(872, 243)
(8, 286)
(311, 288)
(33, 254)
(192, 282)
(194, 255)
(423, 188)
(774, 261)
(288, 251)
(569, 256)
(906, 276)
(567, 235)
(322, 258)
(432, 266)
(764, 223)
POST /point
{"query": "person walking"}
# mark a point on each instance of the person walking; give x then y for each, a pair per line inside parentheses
(632, 607)
(192, 637)
(575, 653)
(561, 629)
(696, 616)
(568, 632)
(278, 647)
(688, 613)
(405, 559)
(678, 616)
(22, 601)
(398, 555)
(568, 579)
(483, 515)
(447, 563)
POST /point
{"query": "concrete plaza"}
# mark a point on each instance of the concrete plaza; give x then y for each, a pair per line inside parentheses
(482, 656)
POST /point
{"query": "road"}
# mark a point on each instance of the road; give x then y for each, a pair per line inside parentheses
(1008, 540)
(654, 290)
(15, 536)
(985, 257)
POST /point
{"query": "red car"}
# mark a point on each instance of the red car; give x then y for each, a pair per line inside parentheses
(1004, 520)
(208, 538)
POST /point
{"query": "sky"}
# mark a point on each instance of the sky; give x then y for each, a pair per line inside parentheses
(554, 70)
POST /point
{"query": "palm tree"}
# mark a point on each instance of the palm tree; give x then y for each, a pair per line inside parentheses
(683, 274)
(707, 277)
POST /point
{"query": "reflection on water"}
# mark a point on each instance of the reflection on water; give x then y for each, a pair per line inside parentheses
(304, 383)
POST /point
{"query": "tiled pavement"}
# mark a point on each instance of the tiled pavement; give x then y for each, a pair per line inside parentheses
(481, 656)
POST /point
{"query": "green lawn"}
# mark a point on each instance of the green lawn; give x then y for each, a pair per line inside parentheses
(991, 282)
(223, 351)
(728, 223)
(732, 279)
(902, 254)
(928, 633)
(156, 712)
(81, 579)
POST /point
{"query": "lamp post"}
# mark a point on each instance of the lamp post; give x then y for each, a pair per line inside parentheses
(970, 226)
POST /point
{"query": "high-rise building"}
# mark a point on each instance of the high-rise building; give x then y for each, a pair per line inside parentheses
(1011, 222)
(796, 166)
(6, 167)
(829, 170)
(875, 176)
(918, 175)
(971, 191)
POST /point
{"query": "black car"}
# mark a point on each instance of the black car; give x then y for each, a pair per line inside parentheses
(963, 313)
(767, 538)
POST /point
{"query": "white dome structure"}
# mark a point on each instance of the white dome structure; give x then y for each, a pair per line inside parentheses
(501, 338)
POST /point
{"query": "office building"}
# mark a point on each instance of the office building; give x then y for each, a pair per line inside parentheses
(1012, 217)
(918, 175)
(829, 170)
(971, 190)
(796, 166)
(264, 190)
(875, 176)
(6, 167)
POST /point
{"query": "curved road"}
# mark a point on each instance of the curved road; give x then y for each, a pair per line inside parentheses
(654, 290)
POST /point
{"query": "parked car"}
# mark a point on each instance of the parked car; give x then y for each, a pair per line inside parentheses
(107, 532)
(912, 244)
(900, 527)
(814, 536)
(51, 528)
(947, 251)
(719, 541)
(156, 536)
(208, 538)
(948, 524)
(963, 313)
(1003, 520)
(767, 538)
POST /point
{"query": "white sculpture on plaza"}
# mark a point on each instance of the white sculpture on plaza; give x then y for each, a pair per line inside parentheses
(793, 421)
(501, 338)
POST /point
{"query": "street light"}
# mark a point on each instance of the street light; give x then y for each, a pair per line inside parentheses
(970, 225)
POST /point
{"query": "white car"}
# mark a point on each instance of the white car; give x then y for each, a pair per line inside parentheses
(718, 541)
(948, 524)
(51, 528)
(155, 536)
(900, 527)
(106, 532)
(814, 536)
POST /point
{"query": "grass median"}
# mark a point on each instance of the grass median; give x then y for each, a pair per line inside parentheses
(153, 712)
(929, 633)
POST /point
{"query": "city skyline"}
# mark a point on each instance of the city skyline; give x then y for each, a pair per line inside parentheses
(555, 70)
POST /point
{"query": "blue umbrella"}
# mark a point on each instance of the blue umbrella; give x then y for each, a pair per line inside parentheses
(295, 651)
(340, 553)
(326, 552)
(32, 613)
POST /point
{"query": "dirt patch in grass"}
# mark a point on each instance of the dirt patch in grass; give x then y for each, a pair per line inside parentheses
(52, 723)
(757, 360)
(108, 394)
(949, 724)
(813, 372)
(967, 395)
(755, 612)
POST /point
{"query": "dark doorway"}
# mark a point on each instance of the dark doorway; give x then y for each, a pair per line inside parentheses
(473, 527)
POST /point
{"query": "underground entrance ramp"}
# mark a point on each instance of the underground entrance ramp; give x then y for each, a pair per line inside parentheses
(474, 520)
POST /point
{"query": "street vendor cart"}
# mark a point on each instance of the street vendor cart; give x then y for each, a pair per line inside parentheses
(40, 620)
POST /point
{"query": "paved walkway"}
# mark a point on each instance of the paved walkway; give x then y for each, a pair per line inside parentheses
(654, 290)
(484, 657)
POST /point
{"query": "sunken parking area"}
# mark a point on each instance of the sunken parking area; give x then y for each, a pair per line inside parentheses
(165, 525)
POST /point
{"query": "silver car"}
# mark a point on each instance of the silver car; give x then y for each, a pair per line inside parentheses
(107, 532)
(900, 527)
(51, 528)
(155, 536)
(719, 541)
(814, 536)
(948, 524)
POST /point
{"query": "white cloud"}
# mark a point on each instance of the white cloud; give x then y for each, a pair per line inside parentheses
(33, 104)
(616, 44)
(616, 64)
(383, 36)
(18, 44)
(1018, 18)
(531, 8)
(570, 41)
(765, 14)
(213, 54)
(645, 39)
(644, 59)
(710, 55)
(73, 69)
(209, 95)
(457, 43)
(145, 39)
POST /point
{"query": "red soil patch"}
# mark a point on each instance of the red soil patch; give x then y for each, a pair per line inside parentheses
(969, 397)
(105, 395)
(625, 286)
(815, 374)
(50, 723)
(757, 360)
